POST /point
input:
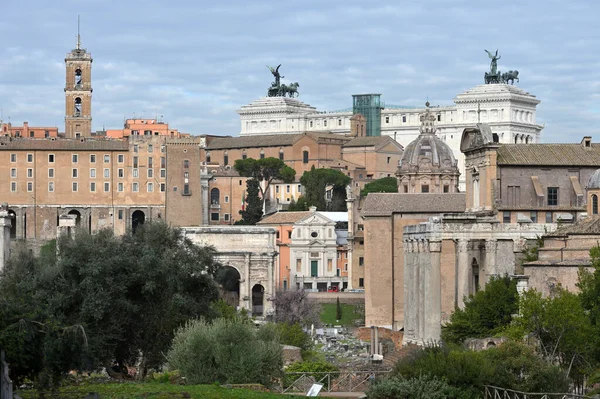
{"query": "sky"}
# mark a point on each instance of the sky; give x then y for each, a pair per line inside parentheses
(196, 62)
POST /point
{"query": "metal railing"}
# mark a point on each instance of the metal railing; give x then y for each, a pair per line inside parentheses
(491, 392)
(339, 381)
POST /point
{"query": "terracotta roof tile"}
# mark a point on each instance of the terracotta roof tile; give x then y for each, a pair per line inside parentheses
(589, 225)
(549, 154)
(384, 204)
(368, 141)
(268, 140)
(284, 217)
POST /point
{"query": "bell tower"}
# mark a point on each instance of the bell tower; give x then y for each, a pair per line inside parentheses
(78, 92)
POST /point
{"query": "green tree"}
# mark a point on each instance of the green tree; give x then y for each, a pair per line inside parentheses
(104, 299)
(486, 313)
(253, 205)
(317, 181)
(561, 326)
(265, 169)
(338, 310)
(383, 185)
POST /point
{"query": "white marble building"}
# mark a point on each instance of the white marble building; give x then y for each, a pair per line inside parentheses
(314, 251)
(509, 111)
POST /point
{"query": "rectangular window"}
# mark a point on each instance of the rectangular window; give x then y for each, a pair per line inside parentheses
(281, 155)
(106, 158)
(120, 187)
(533, 217)
(262, 155)
(50, 158)
(298, 265)
(287, 188)
(163, 173)
(29, 186)
(51, 173)
(552, 196)
(74, 173)
(163, 187)
(120, 158)
(163, 162)
(276, 189)
(74, 186)
(361, 261)
(403, 118)
(226, 160)
(106, 187)
(446, 188)
(135, 162)
(548, 217)
(120, 214)
(29, 173)
(13, 186)
(150, 162)
(186, 190)
(150, 148)
(92, 173)
(13, 173)
(361, 282)
(30, 158)
(186, 164)
(93, 186)
(345, 267)
(244, 156)
(92, 158)
(304, 156)
(121, 172)
(106, 173)
(214, 217)
(299, 188)
(150, 173)
(226, 217)
(135, 172)
(74, 158)
(150, 187)
(136, 148)
(387, 119)
(135, 187)
(163, 148)
(13, 157)
(506, 217)
(51, 187)
(424, 188)
(226, 199)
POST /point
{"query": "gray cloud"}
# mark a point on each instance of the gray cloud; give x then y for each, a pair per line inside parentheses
(197, 62)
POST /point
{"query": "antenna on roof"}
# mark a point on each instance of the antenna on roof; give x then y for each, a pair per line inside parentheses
(78, 35)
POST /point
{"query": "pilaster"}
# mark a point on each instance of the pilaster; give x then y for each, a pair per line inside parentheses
(462, 272)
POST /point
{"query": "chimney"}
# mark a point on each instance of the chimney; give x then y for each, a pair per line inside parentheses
(587, 142)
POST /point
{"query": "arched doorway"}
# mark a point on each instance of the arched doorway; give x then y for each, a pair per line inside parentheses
(228, 278)
(13, 224)
(258, 296)
(137, 219)
(77, 217)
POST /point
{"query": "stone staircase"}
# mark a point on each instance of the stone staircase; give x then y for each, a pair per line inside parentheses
(390, 359)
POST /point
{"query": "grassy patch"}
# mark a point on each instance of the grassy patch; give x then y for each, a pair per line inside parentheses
(349, 314)
(153, 390)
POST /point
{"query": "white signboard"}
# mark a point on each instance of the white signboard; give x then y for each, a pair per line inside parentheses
(314, 390)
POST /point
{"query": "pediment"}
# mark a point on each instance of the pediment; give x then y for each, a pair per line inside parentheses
(314, 219)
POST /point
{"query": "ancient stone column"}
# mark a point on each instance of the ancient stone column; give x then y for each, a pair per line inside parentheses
(462, 271)
(66, 226)
(489, 267)
(204, 178)
(409, 303)
(248, 287)
(5, 222)
(432, 292)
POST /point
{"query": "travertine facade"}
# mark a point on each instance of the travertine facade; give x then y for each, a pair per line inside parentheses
(251, 251)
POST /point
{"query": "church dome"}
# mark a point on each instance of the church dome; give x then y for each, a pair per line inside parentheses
(594, 180)
(428, 151)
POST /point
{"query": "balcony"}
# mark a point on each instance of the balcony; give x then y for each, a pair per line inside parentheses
(215, 205)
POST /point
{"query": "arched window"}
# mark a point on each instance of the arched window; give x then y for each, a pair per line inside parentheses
(594, 204)
(214, 196)
(77, 77)
(77, 106)
(225, 158)
(304, 156)
(262, 154)
(281, 154)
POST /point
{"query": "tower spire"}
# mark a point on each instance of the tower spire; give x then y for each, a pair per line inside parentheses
(78, 35)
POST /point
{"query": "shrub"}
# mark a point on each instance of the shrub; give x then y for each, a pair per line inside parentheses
(422, 387)
(293, 334)
(226, 351)
(317, 370)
